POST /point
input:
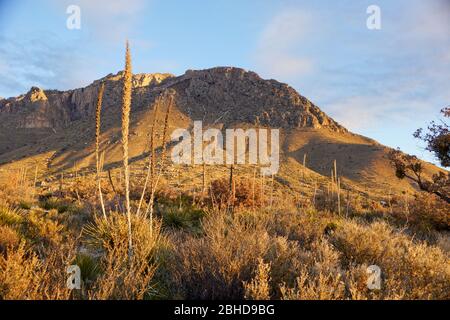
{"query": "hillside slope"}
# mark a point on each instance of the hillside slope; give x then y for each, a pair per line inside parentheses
(57, 127)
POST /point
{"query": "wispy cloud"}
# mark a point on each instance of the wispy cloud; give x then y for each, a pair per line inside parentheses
(275, 55)
(47, 62)
(404, 72)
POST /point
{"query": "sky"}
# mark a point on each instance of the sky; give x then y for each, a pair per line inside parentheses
(382, 83)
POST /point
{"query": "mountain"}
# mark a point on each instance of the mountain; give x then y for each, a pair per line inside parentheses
(57, 127)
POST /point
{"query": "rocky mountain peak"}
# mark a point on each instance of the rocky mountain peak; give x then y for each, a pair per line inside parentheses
(221, 95)
(139, 79)
(235, 95)
(36, 94)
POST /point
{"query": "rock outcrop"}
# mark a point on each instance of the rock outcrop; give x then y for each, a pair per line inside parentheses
(35, 94)
(226, 94)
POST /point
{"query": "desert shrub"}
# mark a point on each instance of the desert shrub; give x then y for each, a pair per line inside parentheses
(411, 270)
(9, 238)
(43, 227)
(304, 227)
(258, 288)
(245, 194)
(443, 242)
(18, 274)
(318, 275)
(23, 275)
(214, 266)
(427, 212)
(241, 255)
(53, 203)
(318, 287)
(125, 274)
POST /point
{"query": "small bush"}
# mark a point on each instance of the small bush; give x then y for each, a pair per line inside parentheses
(8, 238)
(54, 203)
(258, 288)
(428, 212)
(185, 217)
(245, 194)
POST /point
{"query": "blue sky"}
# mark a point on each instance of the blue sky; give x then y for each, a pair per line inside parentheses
(380, 83)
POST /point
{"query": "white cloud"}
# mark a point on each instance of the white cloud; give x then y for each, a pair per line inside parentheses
(357, 113)
(275, 55)
(49, 64)
(282, 66)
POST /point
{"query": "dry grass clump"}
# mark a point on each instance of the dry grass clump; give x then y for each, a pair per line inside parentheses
(304, 227)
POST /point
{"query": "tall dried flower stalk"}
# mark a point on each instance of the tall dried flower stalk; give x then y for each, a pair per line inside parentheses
(111, 181)
(339, 195)
(231, 197)
(271, 191)
(97, 145)
(126, 107)
(304, 165)
(253, 187)
(150, 169)
(203, 179)
(155, 180)
(35, 180)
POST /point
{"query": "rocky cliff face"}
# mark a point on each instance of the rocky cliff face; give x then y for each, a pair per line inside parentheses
(233, 95)
(225, 94)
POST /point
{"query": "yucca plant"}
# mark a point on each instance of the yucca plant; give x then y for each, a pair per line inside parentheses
(97, 145)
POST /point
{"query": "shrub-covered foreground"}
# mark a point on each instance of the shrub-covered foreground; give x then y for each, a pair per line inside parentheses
(214, 253)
